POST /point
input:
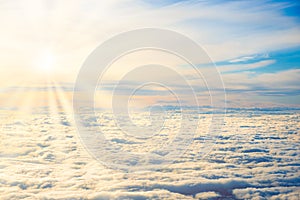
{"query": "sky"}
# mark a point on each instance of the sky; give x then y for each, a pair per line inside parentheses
(254, 44)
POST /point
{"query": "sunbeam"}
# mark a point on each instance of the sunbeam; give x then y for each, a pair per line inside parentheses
(64, 101)
(52, 104)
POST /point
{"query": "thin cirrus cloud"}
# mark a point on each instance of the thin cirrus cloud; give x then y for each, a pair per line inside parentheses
(245, 67)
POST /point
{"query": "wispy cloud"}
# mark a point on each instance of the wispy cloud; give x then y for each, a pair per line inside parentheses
(248, 58)
(245, 67)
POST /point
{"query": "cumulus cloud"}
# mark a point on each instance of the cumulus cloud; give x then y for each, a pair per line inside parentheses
(43, 157)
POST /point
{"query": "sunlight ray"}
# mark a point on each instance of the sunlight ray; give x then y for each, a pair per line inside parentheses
(66, 114)
(52, 103)
(64, 102)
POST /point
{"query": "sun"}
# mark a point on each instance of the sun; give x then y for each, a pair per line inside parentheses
(46, 62)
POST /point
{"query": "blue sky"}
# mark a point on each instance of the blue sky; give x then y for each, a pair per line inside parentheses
(254, 44)
(271, 71)
(283, 60)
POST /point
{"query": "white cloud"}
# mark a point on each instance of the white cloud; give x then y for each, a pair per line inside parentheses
(245, 67)
(43, 158)
(242, 59)
(248, 58)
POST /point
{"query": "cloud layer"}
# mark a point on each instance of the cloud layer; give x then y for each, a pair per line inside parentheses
(255, 156)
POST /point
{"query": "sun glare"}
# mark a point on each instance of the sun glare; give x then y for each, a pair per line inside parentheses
(46, 62)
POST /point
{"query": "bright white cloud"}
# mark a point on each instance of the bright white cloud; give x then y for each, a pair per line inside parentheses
(49, 161)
